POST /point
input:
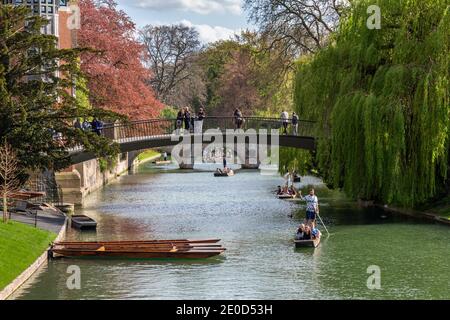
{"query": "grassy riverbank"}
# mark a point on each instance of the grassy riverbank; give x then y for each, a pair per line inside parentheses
(20, 246)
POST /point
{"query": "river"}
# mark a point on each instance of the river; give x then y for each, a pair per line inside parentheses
(257, 229)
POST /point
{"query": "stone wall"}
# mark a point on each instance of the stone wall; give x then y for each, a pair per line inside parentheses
(79, 180)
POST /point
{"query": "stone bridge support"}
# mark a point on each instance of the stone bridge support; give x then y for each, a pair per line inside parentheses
(79, 180)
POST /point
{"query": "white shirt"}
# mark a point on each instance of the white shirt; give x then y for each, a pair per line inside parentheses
(284, 116)
(312, 202)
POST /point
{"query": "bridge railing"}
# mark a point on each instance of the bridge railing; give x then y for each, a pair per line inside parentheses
(142, 129)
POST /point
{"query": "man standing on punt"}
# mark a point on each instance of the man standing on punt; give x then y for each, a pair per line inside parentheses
(312, 207)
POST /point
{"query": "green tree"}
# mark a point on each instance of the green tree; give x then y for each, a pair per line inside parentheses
(382, 101)
(36, 79)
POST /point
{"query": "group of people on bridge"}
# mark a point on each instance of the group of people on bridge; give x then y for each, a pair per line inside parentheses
(191, 122)
(293, 121)
(95, 125)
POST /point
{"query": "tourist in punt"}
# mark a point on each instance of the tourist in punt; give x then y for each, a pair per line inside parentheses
(315, 232)
(97, 126)
(86, 125)
(180, 118)
(187, 119)
(312, 207)
(165, 156)
(238, 119)
(300, 232)
(199, 123)
(295, 123)
(279, 191)
(292, 191)
(285, 121)
(307, 233)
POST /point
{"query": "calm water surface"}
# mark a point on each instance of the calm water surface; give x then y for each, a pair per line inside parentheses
(257, 230)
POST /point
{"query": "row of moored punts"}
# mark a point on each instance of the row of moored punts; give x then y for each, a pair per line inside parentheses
(184, 248)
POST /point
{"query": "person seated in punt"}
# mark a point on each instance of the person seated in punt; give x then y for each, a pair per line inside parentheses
(307, 233)
(315, 233)
(292, 191)
(218, 170)
(279, 191)
(300, 232)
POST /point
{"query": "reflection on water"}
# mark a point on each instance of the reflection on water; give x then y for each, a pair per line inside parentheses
(257, 230)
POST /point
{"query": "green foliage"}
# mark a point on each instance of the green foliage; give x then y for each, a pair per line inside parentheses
(148, 154)
(382, 101)
(168, 113)
(292, 159)
(245, 70)
(36, 104)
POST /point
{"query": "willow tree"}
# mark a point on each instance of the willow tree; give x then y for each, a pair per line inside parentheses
(381, 97)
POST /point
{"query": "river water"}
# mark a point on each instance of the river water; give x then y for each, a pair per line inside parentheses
(257, 229)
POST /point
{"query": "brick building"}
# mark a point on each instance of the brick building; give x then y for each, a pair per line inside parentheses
(58, 13)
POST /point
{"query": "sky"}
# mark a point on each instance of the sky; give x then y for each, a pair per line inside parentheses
(213, 19)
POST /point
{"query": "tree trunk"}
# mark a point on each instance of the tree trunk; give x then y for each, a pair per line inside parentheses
(5, 209)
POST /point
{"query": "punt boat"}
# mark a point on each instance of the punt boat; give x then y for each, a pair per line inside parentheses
(83, 222)
(314, 243)
(137, 249)
(224, 174)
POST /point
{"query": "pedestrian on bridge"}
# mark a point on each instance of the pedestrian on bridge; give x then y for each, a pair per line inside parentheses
(285, 121)
(198, 128)
(238, 119)
(295, 123)
(180, 118)
(187, 119)
(86, 125)
(97, 126)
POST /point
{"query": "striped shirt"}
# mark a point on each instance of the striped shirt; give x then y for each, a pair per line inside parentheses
(312, 203)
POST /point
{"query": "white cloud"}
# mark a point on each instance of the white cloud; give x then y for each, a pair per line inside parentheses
(197, 6)
(209, 34)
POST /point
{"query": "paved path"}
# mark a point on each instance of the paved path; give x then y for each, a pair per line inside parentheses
(47, 221)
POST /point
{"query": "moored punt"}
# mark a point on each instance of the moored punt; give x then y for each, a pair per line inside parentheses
(83, 222)
(286, 196)
(141, 241)
(137, 250)
(224, 174)
(26, 195)
(162, 162)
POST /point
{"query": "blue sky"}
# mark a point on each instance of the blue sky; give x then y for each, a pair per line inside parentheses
(213, 19)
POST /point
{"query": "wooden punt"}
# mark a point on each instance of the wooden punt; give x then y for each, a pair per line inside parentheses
(83, 222)
(191, 241)
(224, 174)
(26, 195)
(162, 162)
(286, 196)
(313, 243)
(129, 250)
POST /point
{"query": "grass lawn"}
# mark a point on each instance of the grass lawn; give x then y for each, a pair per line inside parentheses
(148, 154)
(20, 246)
